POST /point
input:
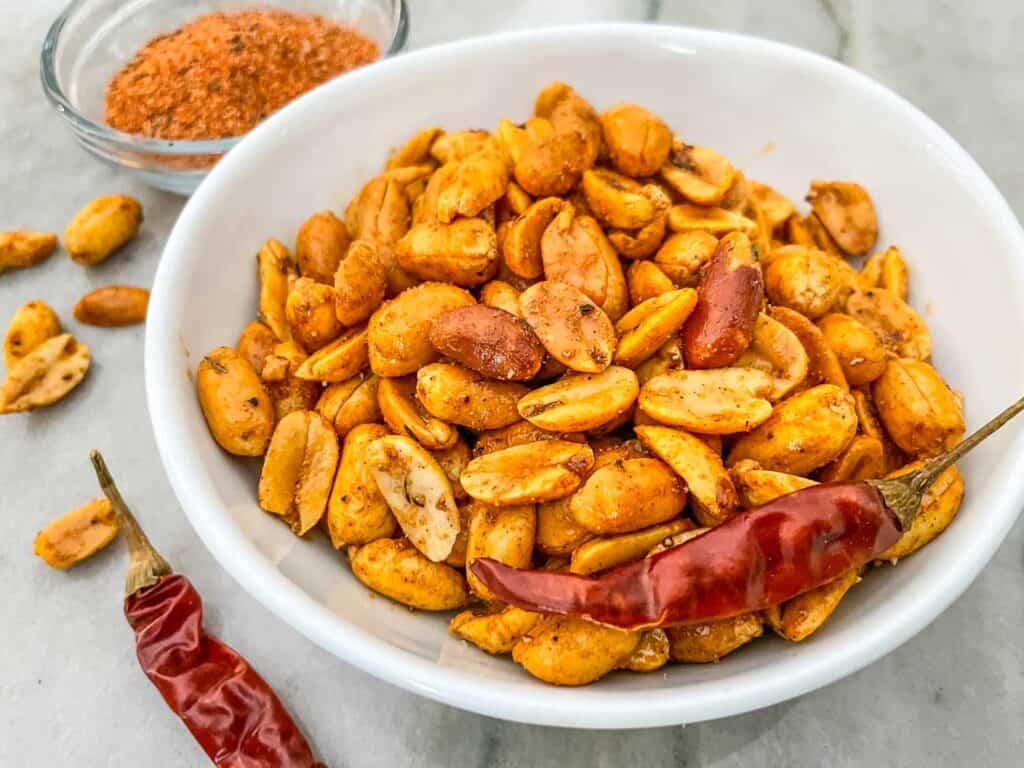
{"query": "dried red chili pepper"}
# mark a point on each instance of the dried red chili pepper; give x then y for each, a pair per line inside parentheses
(752, 561)
(230, 710)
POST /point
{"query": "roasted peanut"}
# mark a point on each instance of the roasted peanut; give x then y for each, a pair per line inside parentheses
(464, 252)
(705, 643)
(799, 618)
(532, 472)
(712, 494)
(478, 181)
(558, 533)
(456, 146)
(32, 324)
(650, 655)
(716, 221)
(563, 650)
(356, 510)
(113, 305)
(277, 272)
(616, 294)
(550, 161)
(570, 250)
(360, 283)
(606, 552)
(886, 270)
(938, 508)
(518, 434)
(298, 471)
(863, 459)
(571, 113)
(777, 351)
(102, 227)
(900, 328)
(501, 295)
(699, 174)
(640, 243)
(628, 495)
(21, 248)
(920, 412)
(405, 414)
(457, 557)
(286, 389)
(846, 210)
(774, 207)
(461, 396)
(505, 534)
(493, 631)
(342, 359)
(618, 201)
(418, 492)
(521, 248)
(310, 313)
(44, 375)
(380, 212)
(729, 299)
(581, 402)
(490, 341)
(646, 280)
(822, 364)
(320, 246)
(869, 424)
(803, 279)
(720, 401)
(350, 403)
(399, 332)
(804, 432)
(645, 328)
(416, 150)
(638, 141)
(757, 486)
(684, 254)
(571, 327)
(668, 358)
(79, 534)
(858, 349)
(453, 460)
(396, 569)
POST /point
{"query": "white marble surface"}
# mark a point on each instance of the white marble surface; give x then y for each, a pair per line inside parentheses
(70, 691)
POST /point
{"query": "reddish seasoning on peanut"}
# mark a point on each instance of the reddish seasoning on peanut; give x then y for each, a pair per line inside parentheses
(221, 74)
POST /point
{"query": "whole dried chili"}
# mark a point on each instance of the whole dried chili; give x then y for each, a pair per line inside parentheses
(751, 562)
(230, 710)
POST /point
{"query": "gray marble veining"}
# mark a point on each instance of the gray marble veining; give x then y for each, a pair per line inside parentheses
(70, 691)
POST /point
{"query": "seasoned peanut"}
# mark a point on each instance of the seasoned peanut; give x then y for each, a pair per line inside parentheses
(501, 295)
(570, 250)
(44, 375)
(492, 631)
(101, 227)
(342, 359)
(277, 272)
(310, 313)
(618, 201)
(571, 327)
(581, 402)
(396, 569)
(863, 459)
(628, 495)
(464, 252)
(478, 181)
(886, 270)
(757, 486)
(320, 246)
(521, 248)
(299, 470)
(847, 212)
(705, 643)
(286, 389)
(558, 533)
(563, 650)
(571, 113)
(551, 161)
(729, 299)
(79, 534)
(399, 332)
(490, 341)
(684, 254)
(699, 174)
(712, 494)
(22, 248)
(113, 305)
(360, 283)
(350, 403)
(505, 534)
(380, 212)
(416, 150)
(804, 432)
(918, 409)
(517, 434)
(32, 324)
(645, 328)
(720, 401)
(646, 280)
(650, 655)
(616, 294)
(455, 146)
(638, 141)
(777, 351)
(532, 472)
(822, 364)
(406, 415)
(453, 460)
(356, 510)
(938, 508)
(668, 358)
(640, 243)
(800, 617)
(461, 396)
(803, 279)
(900, 328)
(716, 221)
(773, 206)
(857, 347)
(418, 492)
(606, 552)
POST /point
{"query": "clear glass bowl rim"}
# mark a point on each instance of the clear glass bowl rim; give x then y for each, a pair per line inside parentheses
(104, 133)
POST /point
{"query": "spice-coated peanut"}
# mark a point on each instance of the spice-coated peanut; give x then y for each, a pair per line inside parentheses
(77, 535)
(32, 324)
(101, 227)
(396, 569)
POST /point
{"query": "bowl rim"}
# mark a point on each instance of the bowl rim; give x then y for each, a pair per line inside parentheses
(529, 701)
(169, 147)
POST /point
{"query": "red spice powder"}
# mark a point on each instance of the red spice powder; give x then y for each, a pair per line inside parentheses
(224, 72)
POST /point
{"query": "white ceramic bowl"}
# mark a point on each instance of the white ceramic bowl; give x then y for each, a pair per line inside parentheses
(782, 115)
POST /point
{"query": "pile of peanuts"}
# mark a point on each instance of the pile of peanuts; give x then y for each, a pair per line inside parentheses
(567, 344)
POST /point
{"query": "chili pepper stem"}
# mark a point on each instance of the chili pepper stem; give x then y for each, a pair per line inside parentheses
(903, 494)
(147, 566)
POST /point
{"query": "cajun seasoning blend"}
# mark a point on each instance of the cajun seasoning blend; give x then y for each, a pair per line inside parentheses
(221, 74)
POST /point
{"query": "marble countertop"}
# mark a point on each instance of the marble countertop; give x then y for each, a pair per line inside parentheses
(71, 693)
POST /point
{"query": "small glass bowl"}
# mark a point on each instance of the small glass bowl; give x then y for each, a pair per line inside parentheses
(92, 39)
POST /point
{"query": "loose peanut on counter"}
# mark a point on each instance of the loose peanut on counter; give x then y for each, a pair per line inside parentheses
(22, 248)
(113, 305)
(101, 228)
(44, 375)
(77, 535)
(32, 324)
(570, 341)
